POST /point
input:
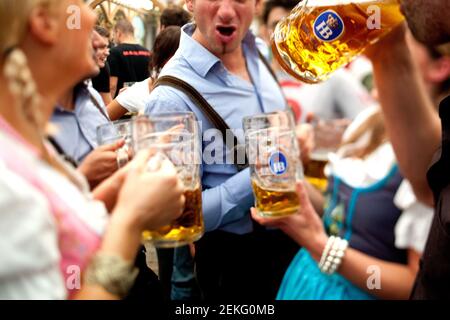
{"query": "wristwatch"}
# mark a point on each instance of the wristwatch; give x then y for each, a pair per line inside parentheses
(113, 273)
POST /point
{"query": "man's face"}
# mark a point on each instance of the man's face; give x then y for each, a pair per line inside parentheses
(102, 52)
(222, 24)
(275, 15)
(428, 19)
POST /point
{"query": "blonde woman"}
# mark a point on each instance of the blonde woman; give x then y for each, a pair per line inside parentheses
(56, 240)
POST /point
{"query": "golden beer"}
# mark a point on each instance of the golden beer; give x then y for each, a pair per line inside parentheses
(275, 202)
(186, 229)
(320, 36)
(315, 171)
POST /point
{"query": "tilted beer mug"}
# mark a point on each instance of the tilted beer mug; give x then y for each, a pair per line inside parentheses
(275, 165)
(319, 36)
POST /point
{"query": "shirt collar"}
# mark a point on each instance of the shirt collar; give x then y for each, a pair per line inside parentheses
(201, 59)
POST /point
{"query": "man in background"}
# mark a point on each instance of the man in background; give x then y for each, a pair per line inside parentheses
(128, 61)
(101, 81)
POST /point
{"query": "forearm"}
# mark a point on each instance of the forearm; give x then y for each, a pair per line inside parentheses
(115, 110)
(411, 119)
(228, 202)
(121, 239)
(106, 96)
(396, 280)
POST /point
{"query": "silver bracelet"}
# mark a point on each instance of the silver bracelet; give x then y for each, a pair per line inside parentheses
(332, 255)
(113, 273)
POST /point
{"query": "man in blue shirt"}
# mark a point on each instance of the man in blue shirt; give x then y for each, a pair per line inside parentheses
(80, 111)
(219, 58)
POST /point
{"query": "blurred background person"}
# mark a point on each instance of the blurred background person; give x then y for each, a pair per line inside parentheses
(133, 99)
(166, 44)
(128, 60)
(76, 117)
(174, 16)
(101, 82)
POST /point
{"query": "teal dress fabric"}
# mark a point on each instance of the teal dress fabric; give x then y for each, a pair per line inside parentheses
(354, 214)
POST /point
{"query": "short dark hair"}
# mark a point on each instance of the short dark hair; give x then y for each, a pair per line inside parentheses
(125, 26)
(165, 46)
(175, 16)
(271, 4)
(102, 31)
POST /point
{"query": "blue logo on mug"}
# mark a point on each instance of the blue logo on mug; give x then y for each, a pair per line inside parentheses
(278, 163)
(328, 26)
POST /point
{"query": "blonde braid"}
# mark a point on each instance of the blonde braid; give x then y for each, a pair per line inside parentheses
(22, 85)
(20, 81)
(14, 17)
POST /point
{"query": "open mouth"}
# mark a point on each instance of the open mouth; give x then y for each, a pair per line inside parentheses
(226, 31)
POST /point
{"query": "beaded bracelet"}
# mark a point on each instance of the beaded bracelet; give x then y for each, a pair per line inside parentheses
(332, 255)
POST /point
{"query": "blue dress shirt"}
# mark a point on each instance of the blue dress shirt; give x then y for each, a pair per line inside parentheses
(77, 129)
(227, 195)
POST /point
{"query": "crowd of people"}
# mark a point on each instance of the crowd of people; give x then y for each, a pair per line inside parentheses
(72, 217)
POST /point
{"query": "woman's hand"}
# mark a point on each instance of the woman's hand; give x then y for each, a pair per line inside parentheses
(150, 199)
(305, 227)
(393, 42)
(109, 189)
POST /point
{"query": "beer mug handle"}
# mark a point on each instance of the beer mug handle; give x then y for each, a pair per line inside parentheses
(155, 162)
(298, 9)
(296, 13)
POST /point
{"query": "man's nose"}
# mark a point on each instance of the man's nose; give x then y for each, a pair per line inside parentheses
(226, 11)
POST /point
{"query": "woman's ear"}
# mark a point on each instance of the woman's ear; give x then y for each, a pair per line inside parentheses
(44, 25)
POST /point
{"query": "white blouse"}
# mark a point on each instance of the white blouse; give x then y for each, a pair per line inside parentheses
(29, 252)
(413, 226)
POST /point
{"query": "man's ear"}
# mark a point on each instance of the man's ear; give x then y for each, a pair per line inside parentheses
(190, 5)
(44, 25)
(440, 71)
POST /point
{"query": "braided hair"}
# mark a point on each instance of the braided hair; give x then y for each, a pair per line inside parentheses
(19, 78)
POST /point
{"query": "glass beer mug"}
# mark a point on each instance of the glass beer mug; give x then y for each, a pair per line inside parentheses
(111, 133)
(319, 36)
(175, 137)
(275, 165)
(328, 137)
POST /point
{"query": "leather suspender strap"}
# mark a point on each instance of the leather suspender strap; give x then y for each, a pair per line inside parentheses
(208, 111)
(61, 152)
(98, 106)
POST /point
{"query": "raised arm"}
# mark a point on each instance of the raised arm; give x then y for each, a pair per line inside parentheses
(412, 122)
